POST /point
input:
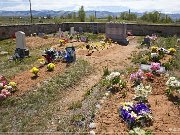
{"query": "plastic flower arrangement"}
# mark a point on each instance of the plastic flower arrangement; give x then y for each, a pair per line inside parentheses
(142, 92)
(171, 50)
(154, 67)
(41, 61)
(112, 76)
(137, 77)
(149, 76)
(173, 84)
(114, 81)
(6, 88)
(154, 49)
(135, 115)
(35, 71)
(50, 67)
(137, 131)
(62, 42)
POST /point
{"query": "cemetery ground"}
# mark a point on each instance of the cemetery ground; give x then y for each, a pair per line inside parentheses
(66, 100)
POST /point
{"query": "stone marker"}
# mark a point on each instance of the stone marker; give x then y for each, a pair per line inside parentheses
(117, 32)
(148, 68)
(72, 31)
(21, 50)
(59, 32)
(20, 40)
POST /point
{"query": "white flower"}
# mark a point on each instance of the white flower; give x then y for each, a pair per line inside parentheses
(112, 75)
(142, 91)
(154, 55)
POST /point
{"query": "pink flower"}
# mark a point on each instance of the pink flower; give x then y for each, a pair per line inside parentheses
(155, 66)
(5, 92)
(4, 83)
(2, 96)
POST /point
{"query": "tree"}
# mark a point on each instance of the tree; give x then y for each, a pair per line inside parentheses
(82, 14)
(30, 11)
(109, 18)
(92, 18)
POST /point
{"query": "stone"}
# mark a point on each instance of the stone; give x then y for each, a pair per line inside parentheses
(20, 40)
(148, 68)
(106, 94)
(117, 32)
(3, 53)
(98, 106)
(72, 31)
(92, 125)
(92, 132)
(60, 32)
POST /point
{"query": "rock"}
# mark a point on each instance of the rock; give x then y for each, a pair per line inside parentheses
(3, 53)
(92, 125)
(98, 106)
(106, 94)
(104, 98)
(92, 132)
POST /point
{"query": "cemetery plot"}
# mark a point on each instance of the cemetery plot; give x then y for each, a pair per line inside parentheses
(112, 95)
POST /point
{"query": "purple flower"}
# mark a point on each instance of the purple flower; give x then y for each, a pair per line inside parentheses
(141, 108)
(155, 66)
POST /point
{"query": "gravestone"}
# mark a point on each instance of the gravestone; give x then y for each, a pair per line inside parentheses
(59, 32)
(145, 67)
(20, 40)
(72, 31)
(21, 49)
(117, 32)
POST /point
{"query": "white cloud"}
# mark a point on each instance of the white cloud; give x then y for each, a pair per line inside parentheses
(136, 5)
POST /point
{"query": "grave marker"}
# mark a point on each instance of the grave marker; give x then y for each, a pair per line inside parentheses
(20, 40)
(117, 32)
(145, 67)
(72, 31)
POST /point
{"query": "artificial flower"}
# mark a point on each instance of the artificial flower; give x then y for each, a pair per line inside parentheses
(172, 50)
(34, 70)
(50, 66)
(154, 49)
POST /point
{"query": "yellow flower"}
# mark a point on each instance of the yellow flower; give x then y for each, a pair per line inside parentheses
(12, 84)
(172, 50)
(50, 66)
(41, 61)
(61, 40)
(154, 49)
(34, 70)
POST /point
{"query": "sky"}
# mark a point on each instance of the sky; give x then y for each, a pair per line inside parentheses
(165, 6)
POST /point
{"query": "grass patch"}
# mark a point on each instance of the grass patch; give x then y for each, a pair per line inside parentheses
(31, 112)
(75, 105)
(10, 68)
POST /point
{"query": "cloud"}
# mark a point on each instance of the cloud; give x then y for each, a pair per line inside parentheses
(135, 5)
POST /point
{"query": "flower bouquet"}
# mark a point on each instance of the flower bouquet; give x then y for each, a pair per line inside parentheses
(50, 67)
(154, 49)
(142, 92)
(115, 82)
(6, 88)
(173, 84)
(171, 51)
(135, 114)
(149, 76)
(137, 77)
(155, 67)
(35, 71)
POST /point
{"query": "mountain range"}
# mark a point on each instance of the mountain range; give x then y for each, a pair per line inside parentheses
(99, 14)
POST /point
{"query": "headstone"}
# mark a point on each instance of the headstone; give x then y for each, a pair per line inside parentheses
(72, 31)
(21, 50)
(20, 40)
(145, 67)
(117, 32)
(60, 32)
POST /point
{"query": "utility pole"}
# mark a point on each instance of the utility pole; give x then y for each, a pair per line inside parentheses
(30, 11)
